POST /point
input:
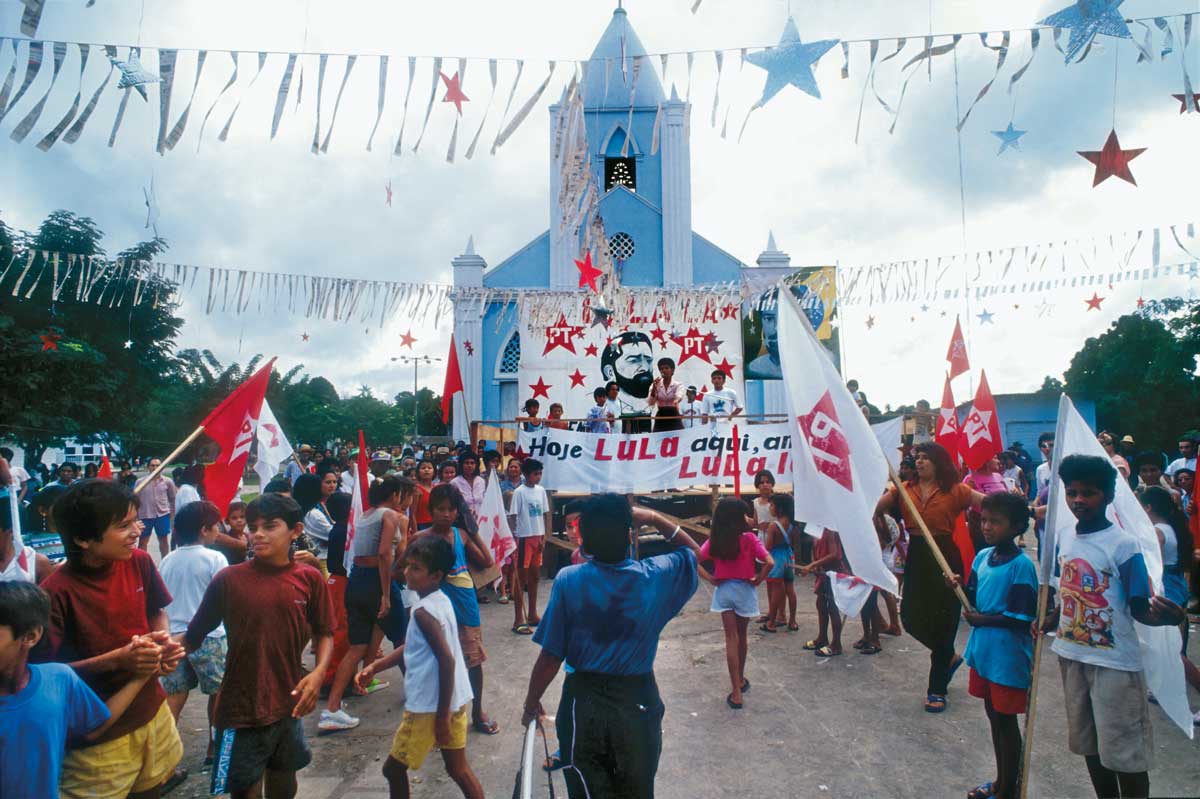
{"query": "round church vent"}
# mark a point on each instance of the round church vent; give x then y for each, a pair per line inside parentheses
(621, 246)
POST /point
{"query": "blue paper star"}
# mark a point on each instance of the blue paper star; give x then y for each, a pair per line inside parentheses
(985, 318)
(1086, 18)
(790, 61)
(1009, 137)
(133, 75)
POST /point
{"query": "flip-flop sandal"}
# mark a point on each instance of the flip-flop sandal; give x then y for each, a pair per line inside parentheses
(826, 652)
(489, 727)
(733, 705)
(894, 633)
(870, 650)
(984, 791)
(793, 627)
(767, 629)
(177, 779)
(534, 622)
(745, 686)
(503, 600)
(935, 703)
(859, 644)
(522, 629)
(763, 619)
(484, 600)
(554, 762)
(811, 645)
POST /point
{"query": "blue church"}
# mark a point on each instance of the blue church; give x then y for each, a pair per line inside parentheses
(646, 205)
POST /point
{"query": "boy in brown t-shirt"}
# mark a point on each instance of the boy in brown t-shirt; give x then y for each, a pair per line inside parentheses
(268, 605)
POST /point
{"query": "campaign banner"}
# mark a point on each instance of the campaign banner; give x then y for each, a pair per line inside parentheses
(816, 290)
(700, 456)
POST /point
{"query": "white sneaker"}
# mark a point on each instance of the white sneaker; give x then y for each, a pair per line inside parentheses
(337, 720)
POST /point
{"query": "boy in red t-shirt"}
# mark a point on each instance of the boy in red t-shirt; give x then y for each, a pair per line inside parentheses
(106, 597)
(268, 605)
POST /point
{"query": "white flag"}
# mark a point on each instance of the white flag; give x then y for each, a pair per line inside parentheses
(493, 522)
(838, 469)
(1160, 645)
(888, 435)
(849, 592)
(356, 514)
(273, 446)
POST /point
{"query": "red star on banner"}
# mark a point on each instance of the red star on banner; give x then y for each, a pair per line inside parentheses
(304, 337)
(659, 335)
(1094, 303)
(561, 334)
(712, 343)
(454, 93)
(577, 378)
(729, 311)
(50, 341)
(691, 345)
(830, 450)
(1141, 303)
(587, 272)
(1112, 161)
(1183, 103)
(703, 390)
(469, 347)
(540, 389)
(406, 339)
(726, 367)
(591, 351)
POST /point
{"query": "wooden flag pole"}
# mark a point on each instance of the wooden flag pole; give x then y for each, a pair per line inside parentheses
(933, 547)
(174, 454)
(1027, 751)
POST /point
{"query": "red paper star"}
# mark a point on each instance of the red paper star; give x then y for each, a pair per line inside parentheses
(591, 351)
(1094, 303)
(388, 189)
(691, 345)
(540, 389)
(587, 272)
(50, 341)
(577, 378)
(1141, 303)
(406, 339)
(726, 367)
(870, 322)
(729, 311)
(659, 335)
(304, 337)
(561, 334)
(454, 93)
(1112, 161)
(1183, 103)
(469, 347)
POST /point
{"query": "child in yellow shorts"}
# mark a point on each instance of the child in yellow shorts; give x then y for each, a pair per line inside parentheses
(436, 687)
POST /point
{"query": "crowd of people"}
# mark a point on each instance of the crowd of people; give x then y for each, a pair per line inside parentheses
(98, 655)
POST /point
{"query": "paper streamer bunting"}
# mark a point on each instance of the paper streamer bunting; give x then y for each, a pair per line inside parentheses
(486, 109)
(412, 73)
(720, 56)
(511, 94)
(928, 54)
(32, 67)
(383, 70)
(437, 73)
(1035, 38)
(6, 88)
(177, 130)
(323, 61)
(50, 138)
(25, 125)
(1001, 51)
(524, 111)
(337, 102)
(81, 121)
(31, 16)
(224, 134)
(454, 94)
(229, 83)
(166, 74)
(285, 85)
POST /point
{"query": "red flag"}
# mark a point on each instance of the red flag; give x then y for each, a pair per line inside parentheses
(454, 381)
(105, 470)
(957, 354)
(946, 430)
(358, 501)
(232, 426)
(979, 440)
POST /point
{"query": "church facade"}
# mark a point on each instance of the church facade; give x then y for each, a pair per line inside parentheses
(646, 205)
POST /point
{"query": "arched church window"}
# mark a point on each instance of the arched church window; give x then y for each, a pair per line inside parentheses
(621, 246)
(620, 172)
(510, 359)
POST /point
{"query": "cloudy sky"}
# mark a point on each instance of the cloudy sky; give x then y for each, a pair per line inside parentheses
(271, 205)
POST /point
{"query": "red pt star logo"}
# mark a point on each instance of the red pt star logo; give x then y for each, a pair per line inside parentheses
(540, 389)
(691, 345)
(274, 431)
(830, 450)
(577, 378)
(561, 334)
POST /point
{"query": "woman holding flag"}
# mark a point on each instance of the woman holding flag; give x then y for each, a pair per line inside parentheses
(929, 609)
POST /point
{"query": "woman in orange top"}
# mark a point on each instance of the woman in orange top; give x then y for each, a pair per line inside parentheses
(929, 609)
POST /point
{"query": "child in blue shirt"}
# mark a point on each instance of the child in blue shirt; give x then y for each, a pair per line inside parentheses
(597, 415)
(1003, 590)
(43, 707)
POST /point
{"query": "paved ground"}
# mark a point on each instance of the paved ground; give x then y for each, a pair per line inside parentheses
(850, 726)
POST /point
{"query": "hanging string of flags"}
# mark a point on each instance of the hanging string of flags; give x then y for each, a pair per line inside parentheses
(790, 62)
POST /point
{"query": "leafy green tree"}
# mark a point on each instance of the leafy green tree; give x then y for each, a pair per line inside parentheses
(429, 407)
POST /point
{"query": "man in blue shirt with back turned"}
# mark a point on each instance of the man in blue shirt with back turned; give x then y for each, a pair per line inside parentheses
(604, 618)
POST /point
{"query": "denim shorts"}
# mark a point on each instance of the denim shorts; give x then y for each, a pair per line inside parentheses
(204, 668)
(737, 595)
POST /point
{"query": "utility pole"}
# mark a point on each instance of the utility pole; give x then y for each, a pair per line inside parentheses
(416, 361)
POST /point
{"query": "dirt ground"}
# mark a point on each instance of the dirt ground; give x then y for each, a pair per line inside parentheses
(851, 726)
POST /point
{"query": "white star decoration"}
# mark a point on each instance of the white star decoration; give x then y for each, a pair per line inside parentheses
(1009, 138)
(133, 75)
(790, 61)
(128, 344)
